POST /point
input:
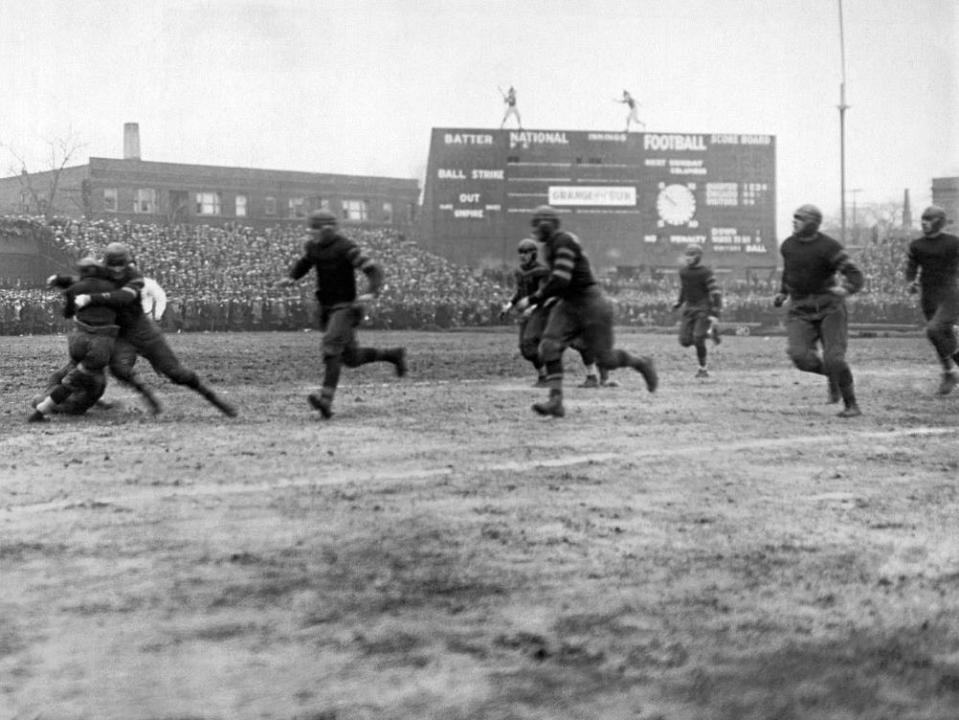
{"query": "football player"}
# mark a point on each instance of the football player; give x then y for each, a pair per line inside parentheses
(140, 334)
(582, 310)
(934, 260)
(817, 304)
(528, 278)
(701, 301)
(91, 341)
(336, 258)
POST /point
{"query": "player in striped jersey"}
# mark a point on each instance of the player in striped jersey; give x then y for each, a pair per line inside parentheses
(528, 278)
(336, 259)
(582, 310)
(701, 300)
(817, 305)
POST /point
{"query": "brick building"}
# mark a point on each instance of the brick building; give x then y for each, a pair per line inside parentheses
(135, 190)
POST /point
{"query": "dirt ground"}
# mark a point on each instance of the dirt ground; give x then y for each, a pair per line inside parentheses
(726, 549)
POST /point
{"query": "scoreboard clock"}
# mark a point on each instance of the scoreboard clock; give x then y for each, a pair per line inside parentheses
(675, 204)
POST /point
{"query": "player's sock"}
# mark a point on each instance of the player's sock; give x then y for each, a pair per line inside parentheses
(701, 353)
(397, 356)
(46, 407)
(216, 401)
(331, 372)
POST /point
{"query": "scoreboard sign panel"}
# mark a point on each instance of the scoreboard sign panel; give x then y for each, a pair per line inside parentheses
(634, 199)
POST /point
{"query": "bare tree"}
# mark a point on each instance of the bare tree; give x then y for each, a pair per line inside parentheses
(41, 187)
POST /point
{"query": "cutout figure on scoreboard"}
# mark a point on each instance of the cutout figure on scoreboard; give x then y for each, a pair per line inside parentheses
(633, 114)
(509, 97)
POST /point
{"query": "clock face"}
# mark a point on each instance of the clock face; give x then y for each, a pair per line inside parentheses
(676, 204)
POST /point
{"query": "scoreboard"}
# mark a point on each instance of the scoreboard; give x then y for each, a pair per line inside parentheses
(635, 200)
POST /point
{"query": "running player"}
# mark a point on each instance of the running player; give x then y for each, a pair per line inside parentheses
(336, 259)
(701, 301)
(581, 310)
(817, 305)
(934, 259)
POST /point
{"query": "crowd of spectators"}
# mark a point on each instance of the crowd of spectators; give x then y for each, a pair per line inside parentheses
(223, 278)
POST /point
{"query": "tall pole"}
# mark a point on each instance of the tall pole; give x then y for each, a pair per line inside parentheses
(842, 129)
(854, 192)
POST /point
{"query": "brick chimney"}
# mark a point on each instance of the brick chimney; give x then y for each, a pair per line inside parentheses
(131, 141)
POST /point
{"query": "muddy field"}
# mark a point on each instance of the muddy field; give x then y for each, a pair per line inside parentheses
(726, 549)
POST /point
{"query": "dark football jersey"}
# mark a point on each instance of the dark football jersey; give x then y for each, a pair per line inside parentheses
(90, 314)
(936, 262)
(336, 261)
(809, 266)
(698, 287)
(570, 273)
(529, 280)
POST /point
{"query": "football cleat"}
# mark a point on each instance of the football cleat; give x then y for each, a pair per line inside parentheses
(702, 373)
(948, 382)
(219, 403)
(323, 404)
(37, 417)
(401, 367)
(551, 408)
(608, 383)
(834, 394)
(850, 411)
(591, 381)
(646, 367)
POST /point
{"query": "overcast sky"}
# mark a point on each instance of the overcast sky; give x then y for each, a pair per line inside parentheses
(354, 86)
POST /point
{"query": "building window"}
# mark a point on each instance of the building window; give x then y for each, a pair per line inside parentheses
(269, 205)
(241, 205)
(208, 203)
(354, 209)
(388, 212)
(110, 203)
(145, 202)
(297, 207)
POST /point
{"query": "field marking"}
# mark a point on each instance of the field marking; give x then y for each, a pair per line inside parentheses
(344, 478)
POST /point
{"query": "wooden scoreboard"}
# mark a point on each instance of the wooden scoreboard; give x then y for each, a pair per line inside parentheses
(634, 199)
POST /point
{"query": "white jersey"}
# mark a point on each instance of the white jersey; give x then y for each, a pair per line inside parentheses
(153, 299)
